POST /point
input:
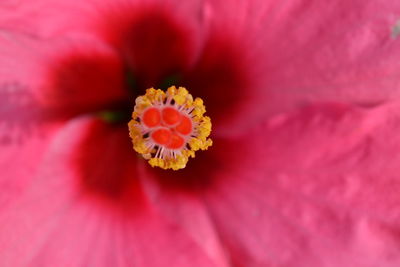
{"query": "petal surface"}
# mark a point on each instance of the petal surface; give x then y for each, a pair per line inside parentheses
(156, 38)
(140, 44)
(270, 56)
(317, 187)
(25, 124)
(35, 104)
(297, 52)
(24, 136)
(85, 206)
(65, 76)
(187, 209)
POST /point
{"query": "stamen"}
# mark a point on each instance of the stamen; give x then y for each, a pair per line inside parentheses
(168, 127)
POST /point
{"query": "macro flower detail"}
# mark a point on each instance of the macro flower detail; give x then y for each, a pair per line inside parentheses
(304, 165)
(167, 128)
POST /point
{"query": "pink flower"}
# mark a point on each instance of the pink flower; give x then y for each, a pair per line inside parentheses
(305, 162)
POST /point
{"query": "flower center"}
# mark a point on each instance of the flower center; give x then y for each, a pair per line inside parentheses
(168, 127)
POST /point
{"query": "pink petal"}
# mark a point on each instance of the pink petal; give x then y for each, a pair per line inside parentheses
(221, 79)
(23, 141)
(185, 208)
(65, 77)
(163, 42)
(44, 19)
(33, 106)
(25, 125)
(345, 51)
(86, 207)
(342, 52)
(297, 52)
(150, 35)
(318, 187)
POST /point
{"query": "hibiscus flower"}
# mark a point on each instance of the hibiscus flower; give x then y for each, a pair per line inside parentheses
(304, 165)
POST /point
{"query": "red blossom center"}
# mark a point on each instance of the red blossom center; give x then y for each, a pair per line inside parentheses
(151, 49)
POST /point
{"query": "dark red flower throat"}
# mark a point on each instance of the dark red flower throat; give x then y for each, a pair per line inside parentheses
(148, 49)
